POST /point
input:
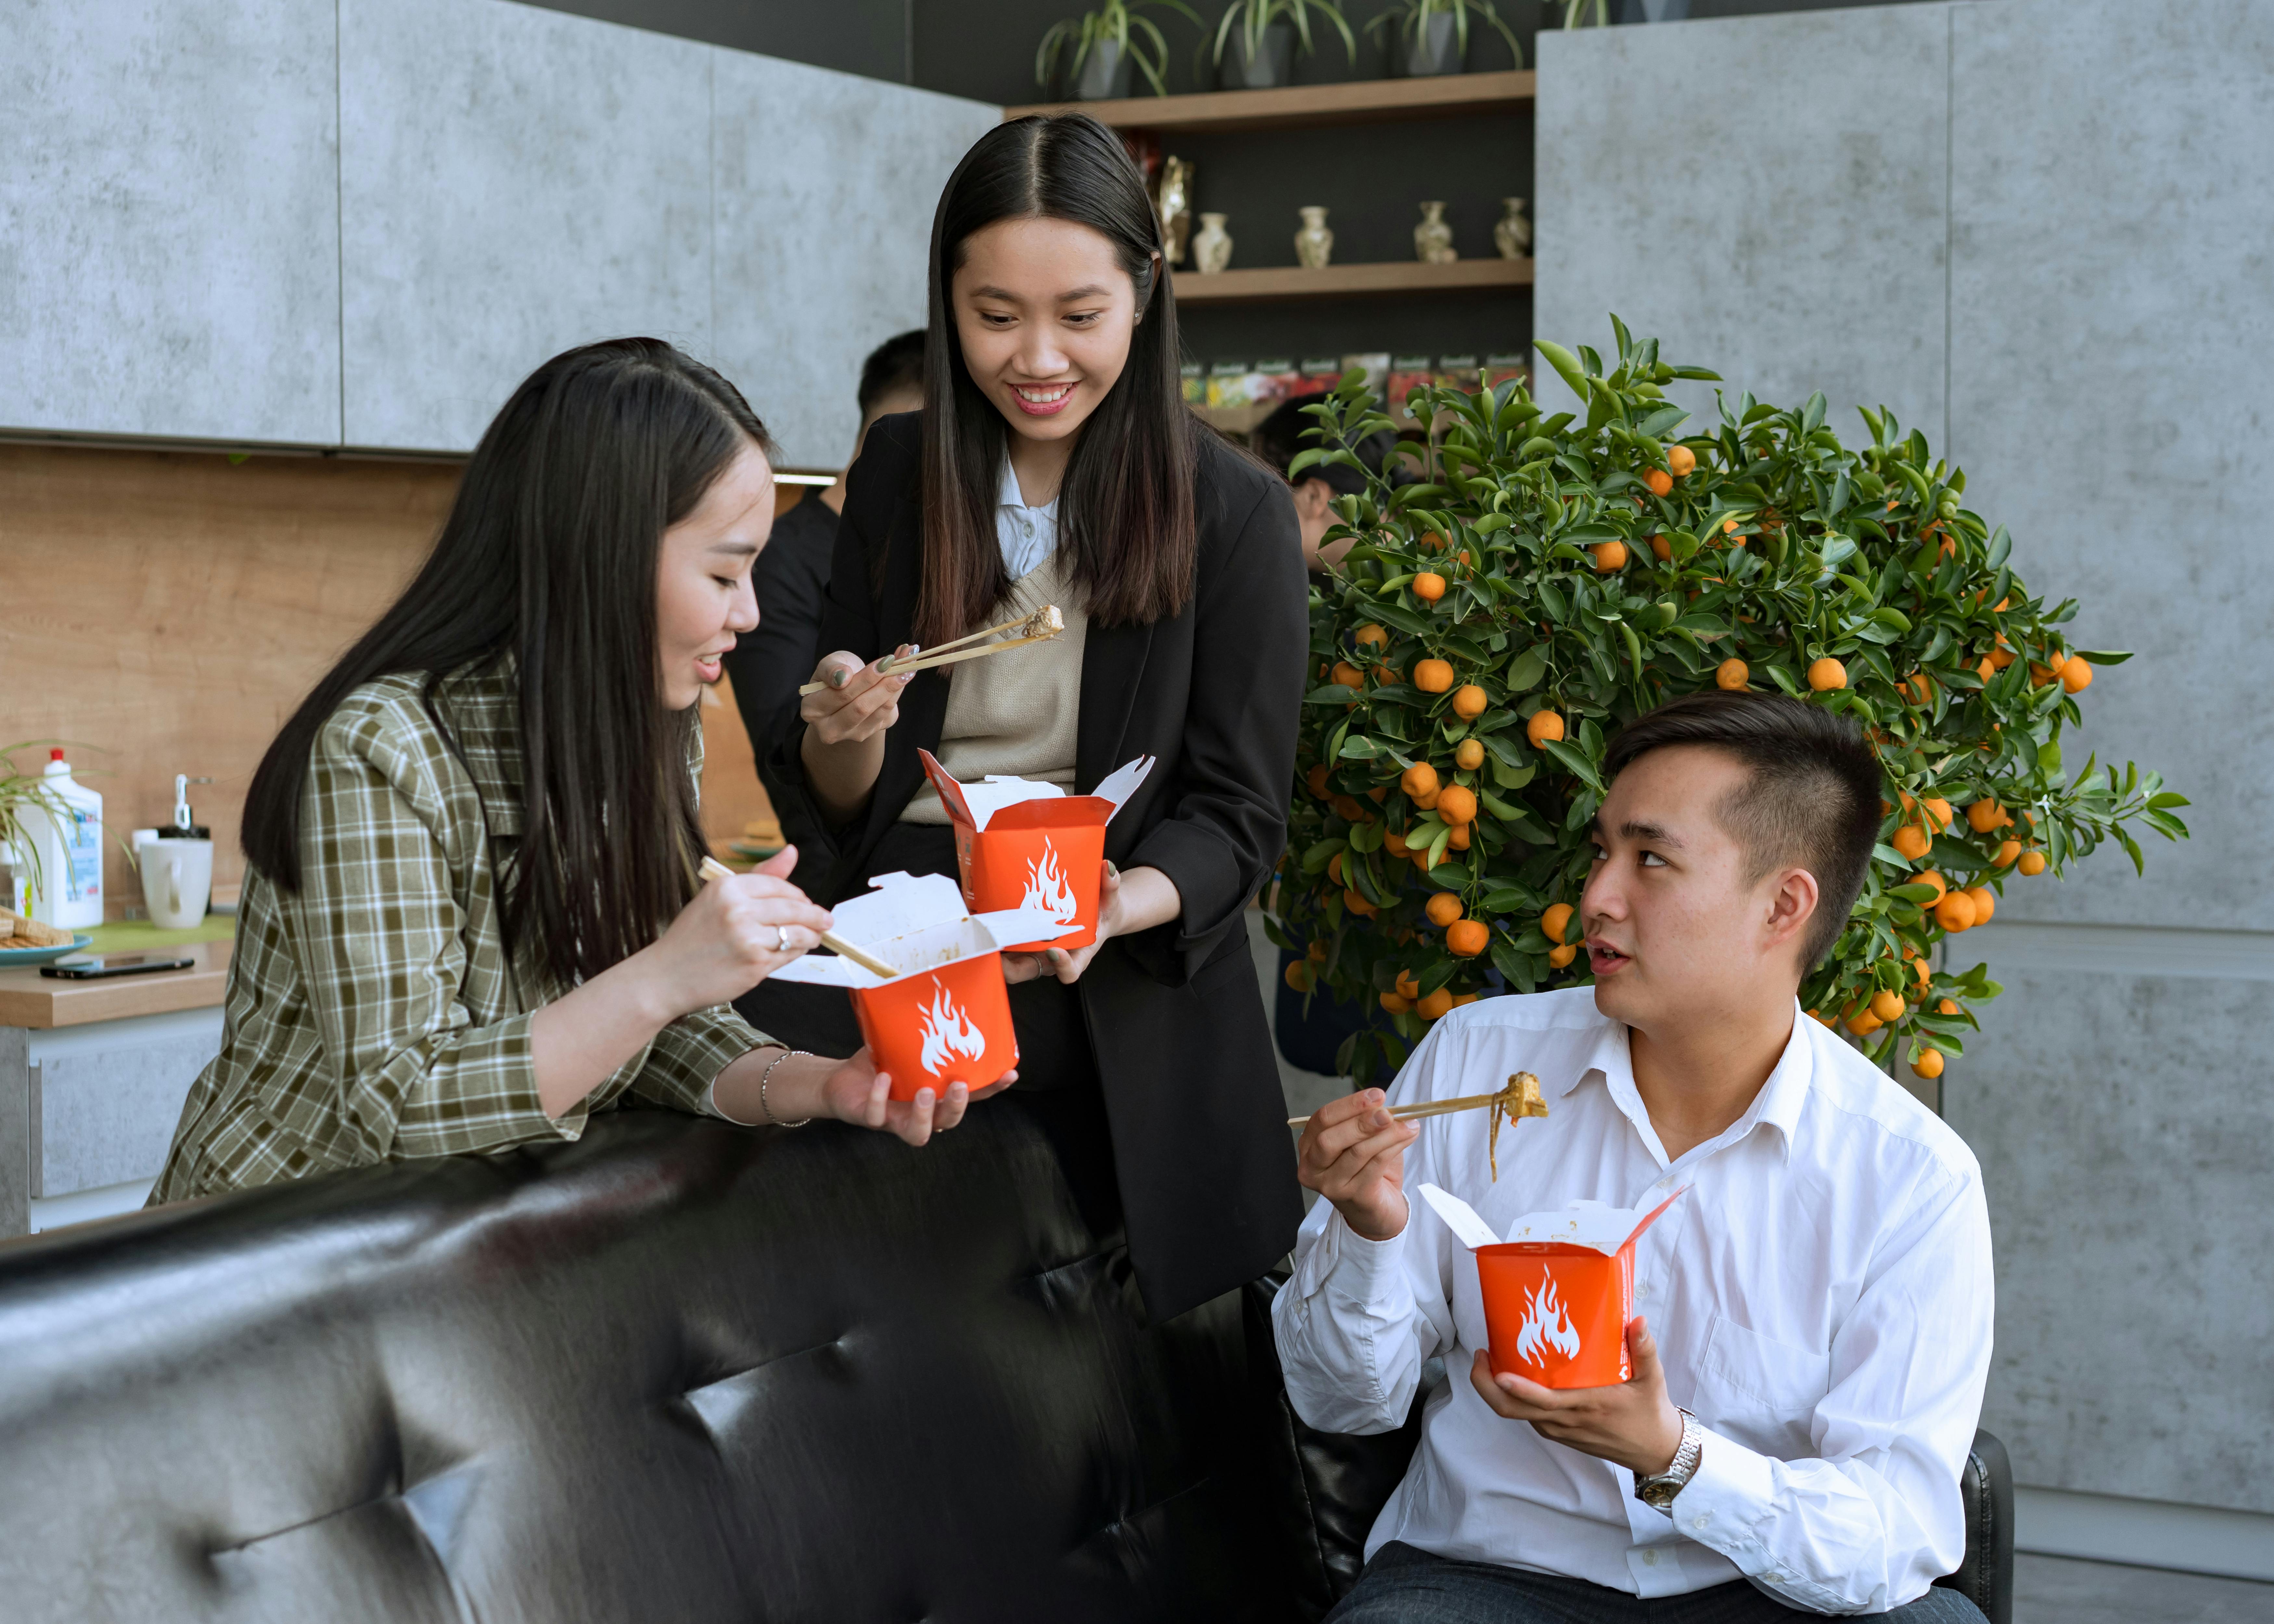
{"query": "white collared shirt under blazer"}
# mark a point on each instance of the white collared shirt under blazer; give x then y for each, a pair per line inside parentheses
(1821, 1300)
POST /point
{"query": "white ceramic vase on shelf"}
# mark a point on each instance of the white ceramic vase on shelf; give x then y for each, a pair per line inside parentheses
(1211, 245)
(1512, 233)
(1314, 244)
(1433, 238)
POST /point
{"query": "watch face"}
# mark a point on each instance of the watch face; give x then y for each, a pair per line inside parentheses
(1657, 1494)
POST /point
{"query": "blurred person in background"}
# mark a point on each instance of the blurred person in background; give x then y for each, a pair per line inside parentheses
(792, 576)
(1311, 1029)
(1287, 431)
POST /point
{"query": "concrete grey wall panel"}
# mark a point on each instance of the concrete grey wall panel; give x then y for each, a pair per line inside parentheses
(169, 226)
(108, 1117)
(1765, 195)
(2113, 231)
(2112, 244)
(513, 182)
(2125, 1128)
(826, 185)
(1768, 196)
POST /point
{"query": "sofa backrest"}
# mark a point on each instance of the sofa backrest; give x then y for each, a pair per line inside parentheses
(676, 1371)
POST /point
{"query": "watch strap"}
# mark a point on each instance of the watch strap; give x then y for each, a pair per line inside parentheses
(1659, 1491)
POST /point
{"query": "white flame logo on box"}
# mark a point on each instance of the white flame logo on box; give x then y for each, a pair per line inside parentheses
(1545, 1325)
(1047, 888)
(948, 1035)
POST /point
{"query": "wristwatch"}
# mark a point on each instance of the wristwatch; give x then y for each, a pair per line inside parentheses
(1658, 1492)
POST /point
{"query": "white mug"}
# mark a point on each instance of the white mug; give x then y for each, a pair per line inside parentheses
(176, 881)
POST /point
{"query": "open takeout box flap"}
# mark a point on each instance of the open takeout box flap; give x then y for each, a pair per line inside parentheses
(1000, 803)
(1589, 1224)
(916, 923)
(1468, 1228)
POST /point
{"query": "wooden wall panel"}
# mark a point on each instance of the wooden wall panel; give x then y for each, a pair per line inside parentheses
(164, 612)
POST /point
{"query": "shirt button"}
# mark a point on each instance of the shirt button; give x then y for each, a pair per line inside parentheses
(1702, 1521)
(1650, 1559)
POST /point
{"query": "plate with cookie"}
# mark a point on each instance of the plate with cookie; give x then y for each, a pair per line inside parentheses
(29, 942)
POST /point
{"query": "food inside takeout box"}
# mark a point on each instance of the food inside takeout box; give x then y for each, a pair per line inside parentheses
(1025, 844)
(1559, 1291)
(945, 1017)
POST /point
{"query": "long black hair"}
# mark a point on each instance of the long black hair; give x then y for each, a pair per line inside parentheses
(548, 560)
(1126, 525)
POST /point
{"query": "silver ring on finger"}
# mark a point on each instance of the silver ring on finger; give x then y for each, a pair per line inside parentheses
(781, 940)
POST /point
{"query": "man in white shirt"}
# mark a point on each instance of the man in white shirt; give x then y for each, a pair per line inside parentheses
(1811, 1319)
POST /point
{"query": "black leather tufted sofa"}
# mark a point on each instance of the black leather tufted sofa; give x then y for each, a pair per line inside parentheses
(676, 1371)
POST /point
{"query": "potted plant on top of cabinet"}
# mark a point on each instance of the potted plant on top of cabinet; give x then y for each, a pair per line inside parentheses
(1106, 45)
(1261, 35)
(1430, 37)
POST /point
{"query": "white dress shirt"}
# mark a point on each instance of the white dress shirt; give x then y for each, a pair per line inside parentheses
(1821, 1298)
(1027, 535)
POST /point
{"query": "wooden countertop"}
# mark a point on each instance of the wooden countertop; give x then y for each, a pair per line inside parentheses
(29, 999)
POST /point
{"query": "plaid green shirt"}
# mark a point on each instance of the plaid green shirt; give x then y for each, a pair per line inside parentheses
(373, 1015)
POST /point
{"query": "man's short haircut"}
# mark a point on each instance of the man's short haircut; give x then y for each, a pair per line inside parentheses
(896, 364)
(1811, 801)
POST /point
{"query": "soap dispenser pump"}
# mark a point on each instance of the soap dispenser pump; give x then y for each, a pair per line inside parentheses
(186, 826)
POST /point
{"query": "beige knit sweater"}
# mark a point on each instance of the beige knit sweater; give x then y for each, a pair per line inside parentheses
(1017, 714)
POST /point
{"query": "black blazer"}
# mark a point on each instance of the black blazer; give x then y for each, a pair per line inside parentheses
(1183, 1048)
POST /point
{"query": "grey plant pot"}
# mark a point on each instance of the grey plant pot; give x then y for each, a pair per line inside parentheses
(1104, 75)
(1437, 50)
(1274, 67)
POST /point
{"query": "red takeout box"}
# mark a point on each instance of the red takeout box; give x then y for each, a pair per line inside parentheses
(1024, 844)
(1559, 1291)
(946, 1017)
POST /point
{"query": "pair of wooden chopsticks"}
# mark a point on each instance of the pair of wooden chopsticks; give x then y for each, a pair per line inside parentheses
(713, 870)
(1520, 1098)
(1040, 626)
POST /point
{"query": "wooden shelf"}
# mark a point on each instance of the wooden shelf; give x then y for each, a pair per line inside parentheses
(1341, 282)
(1300, 106)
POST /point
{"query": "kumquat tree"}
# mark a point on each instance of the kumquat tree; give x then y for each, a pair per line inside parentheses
(1553, 577)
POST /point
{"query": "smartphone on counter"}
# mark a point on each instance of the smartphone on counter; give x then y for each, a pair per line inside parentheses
(100, 967)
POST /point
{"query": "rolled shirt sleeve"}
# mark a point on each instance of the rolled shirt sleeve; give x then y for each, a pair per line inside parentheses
(687, 1055)
(1869, 1521)
(1358, 1319)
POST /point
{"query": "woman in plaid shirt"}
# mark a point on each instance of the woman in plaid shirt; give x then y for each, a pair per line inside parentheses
(471, 915)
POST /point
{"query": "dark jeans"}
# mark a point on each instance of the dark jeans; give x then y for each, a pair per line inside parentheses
(1405, 1586)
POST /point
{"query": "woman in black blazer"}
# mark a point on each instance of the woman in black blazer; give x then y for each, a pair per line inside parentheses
(1052, 402)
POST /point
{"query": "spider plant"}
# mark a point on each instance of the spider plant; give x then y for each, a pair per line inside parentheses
(1254, 17)
(1116, 23)
(21, 792)
(1574, 13)
(1412, 17)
